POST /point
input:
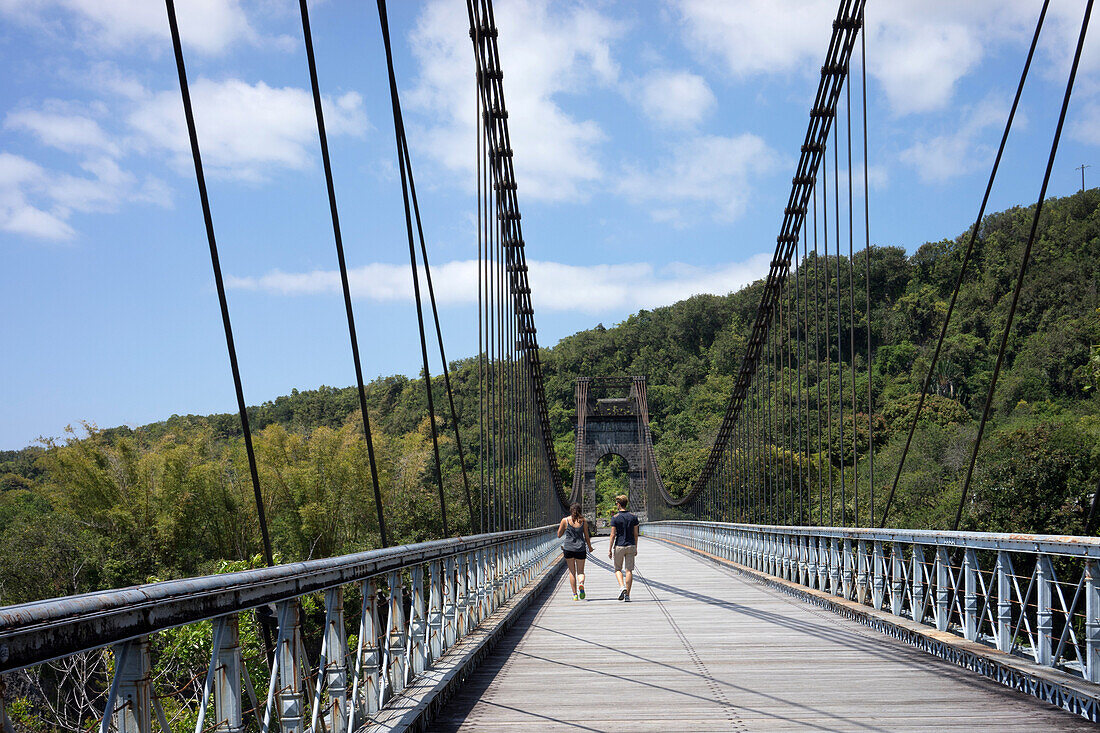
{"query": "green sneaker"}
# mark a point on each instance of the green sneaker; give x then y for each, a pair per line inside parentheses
(581, 593)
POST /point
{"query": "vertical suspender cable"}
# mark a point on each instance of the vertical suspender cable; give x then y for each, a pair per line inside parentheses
(852, 308)
(216, 265)
(789, 461)
(1024, 262)
(438, 330)
(867, 280)
(800, 358)
(399, 131)
(480, 334)
(323, 137)
(839, 326)
(817, 373)
(828, 345)
(966, 261)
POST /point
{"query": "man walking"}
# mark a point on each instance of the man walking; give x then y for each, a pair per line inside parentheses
(624, 546)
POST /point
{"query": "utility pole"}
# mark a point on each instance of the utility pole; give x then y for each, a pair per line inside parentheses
(1082, 168)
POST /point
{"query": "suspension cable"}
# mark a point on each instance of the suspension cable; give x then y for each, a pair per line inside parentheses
(966, 260)
(1024, 262)
(852, 309)
(438, 330)
(215, 264)
(867, 282)
(399, 128)
(343, 269)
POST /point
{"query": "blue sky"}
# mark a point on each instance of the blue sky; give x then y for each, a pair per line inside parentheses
(655, 143)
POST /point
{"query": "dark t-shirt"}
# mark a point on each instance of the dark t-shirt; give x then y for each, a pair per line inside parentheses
(624, 524)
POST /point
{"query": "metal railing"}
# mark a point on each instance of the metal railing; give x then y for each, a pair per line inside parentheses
(1037, 596)
(418, 601)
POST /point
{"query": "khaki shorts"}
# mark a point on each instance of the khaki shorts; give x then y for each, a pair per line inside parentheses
(624, 555)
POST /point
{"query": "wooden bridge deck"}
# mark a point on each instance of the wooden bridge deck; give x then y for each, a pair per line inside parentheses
(701, 648)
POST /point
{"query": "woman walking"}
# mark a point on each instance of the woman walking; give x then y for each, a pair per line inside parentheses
(575, 530)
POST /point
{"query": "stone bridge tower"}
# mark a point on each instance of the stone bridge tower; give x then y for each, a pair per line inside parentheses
(611, 419)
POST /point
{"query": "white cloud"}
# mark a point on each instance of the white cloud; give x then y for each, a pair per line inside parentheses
(547, 51)
(38, 203)
(245, 130)
(758, 36)
(710, 170)
(919, 51)
(919, 59)
(68, 132)
(961, 150)
(555, 286)
(18, 177)
(1086, 125)
(208, 26)
(676, 98)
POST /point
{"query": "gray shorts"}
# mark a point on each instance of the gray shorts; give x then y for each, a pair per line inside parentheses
(624, 555)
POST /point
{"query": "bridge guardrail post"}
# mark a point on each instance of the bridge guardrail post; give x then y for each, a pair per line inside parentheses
(897, 578)
(768, 554)
(1092, 621)
(970, 595)
(132, 704)
(822, 563)
(365, 690)
(786, 550)
(335, 671)
(861, 572)
(395, 637)
(943, 587)
(920, 597)
(436, 571)
(878, 568)
(480, 572)
(454, 613)
(289, 695)
(795, 544)
(1044, 613)
(834, 566)
(227, 675)
(811, 560)
(1004, 572)
(416, 645)
(803, 559)
(507, 555)
(847, 570)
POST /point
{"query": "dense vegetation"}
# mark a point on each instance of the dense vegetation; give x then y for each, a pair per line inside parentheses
(124, 505)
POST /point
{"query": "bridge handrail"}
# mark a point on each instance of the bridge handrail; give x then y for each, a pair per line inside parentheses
(1044, 544)
(39, 631)
(1028, 596)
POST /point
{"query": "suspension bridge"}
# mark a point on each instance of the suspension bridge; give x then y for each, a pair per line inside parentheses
(771, 593)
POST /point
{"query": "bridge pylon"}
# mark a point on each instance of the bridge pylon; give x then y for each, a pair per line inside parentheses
(612, 418)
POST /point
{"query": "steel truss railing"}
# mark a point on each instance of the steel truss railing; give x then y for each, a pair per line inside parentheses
(1037, 596)
(418, 601)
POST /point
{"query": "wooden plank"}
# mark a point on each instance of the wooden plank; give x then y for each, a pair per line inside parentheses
(702, 648)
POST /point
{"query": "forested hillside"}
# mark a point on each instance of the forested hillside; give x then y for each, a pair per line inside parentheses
(173, 498)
